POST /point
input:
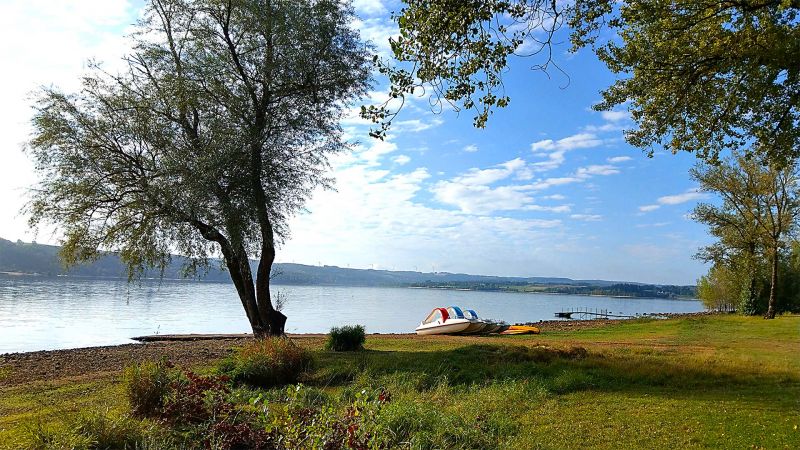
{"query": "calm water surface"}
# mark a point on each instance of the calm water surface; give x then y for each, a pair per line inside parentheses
(46, 314)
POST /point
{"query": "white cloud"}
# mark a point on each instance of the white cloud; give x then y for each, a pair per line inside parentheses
(619, 159)
(480, 199)
(472, 148)
(401, 159)
(369, 7)
(473, 192)
(554, 197)
(677, 199)
(373, 154)
(554, 181)
(377, 30)
(415, 125)
(489, 176)
(691, 194)
(614, 116)
(554, 151)
(652, 225)
(554, 209)
(605, 169)
(376, 219)
(580, 140)
(47, 43)
(587, 217)
(554, 160)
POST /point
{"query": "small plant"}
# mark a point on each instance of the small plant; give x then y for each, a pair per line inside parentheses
(324, 426)
(147, 385)
(267, 362)
(39, 435)
(345, 339)
(194, 399)
(105, 431)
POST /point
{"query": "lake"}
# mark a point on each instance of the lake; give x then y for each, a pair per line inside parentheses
(55, 313)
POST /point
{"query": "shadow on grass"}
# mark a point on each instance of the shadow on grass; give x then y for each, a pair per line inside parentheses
(561, 371)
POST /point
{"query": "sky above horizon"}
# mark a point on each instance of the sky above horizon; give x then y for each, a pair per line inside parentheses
(549, 188)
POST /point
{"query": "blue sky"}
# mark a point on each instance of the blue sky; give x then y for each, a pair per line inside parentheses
(549, 188)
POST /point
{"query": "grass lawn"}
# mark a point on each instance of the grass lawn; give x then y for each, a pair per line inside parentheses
(710, 381)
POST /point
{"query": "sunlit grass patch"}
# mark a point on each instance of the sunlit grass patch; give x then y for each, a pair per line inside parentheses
(723, 381)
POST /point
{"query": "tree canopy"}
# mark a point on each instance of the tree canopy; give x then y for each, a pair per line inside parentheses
(458, 50)
(702, 75)
(754, 223)
(216, 131)
(697, 75)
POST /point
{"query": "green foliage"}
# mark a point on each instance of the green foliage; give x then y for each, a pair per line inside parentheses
(346, 339)
(701, 75)
(721, 289)
(267, 362)
(722, 381)
(458, 50)
(697, 75)
(147, 385)
(103, 431)
(758, 215)
(300, 424)
(43, 436)
(217, 130)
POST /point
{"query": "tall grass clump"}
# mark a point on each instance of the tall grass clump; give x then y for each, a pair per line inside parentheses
(147, 385)
(267, 362)
(106, 432)
(346, 339)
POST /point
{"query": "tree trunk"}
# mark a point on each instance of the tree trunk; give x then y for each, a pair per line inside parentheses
(773, 285)
(239, 268)
(271, 317)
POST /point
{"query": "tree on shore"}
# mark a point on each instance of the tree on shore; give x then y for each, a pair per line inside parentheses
(755, 221)
(697, 75)
(214, 134)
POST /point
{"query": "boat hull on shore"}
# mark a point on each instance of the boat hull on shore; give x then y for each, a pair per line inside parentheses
(453, 320)
(452, 326)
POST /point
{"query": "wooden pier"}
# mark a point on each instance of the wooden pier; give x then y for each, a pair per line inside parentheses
(589, 313)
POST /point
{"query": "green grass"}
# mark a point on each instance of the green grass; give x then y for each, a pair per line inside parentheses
(718, 381)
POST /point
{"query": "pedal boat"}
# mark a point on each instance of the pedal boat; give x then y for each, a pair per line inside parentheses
(439, 321)
(477, 325)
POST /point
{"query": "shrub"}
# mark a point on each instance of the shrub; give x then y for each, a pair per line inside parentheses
(105, 432)
(147, 384)
(267, 362)
(346, 338)
(194, 399)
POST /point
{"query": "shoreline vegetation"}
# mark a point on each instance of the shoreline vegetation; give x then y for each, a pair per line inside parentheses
(694, 380)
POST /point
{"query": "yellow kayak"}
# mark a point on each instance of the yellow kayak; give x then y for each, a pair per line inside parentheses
(521, 329)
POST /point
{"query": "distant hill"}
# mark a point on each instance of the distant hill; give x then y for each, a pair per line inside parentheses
(38, 259)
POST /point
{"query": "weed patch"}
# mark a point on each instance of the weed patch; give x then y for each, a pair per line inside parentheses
(267, 362)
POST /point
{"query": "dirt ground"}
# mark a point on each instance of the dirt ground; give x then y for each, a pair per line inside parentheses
(21, 368)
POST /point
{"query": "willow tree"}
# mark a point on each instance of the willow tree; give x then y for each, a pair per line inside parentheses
(217, 130)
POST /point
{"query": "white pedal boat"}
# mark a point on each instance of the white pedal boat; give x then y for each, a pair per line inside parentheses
(477, 325)
(439, 321)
